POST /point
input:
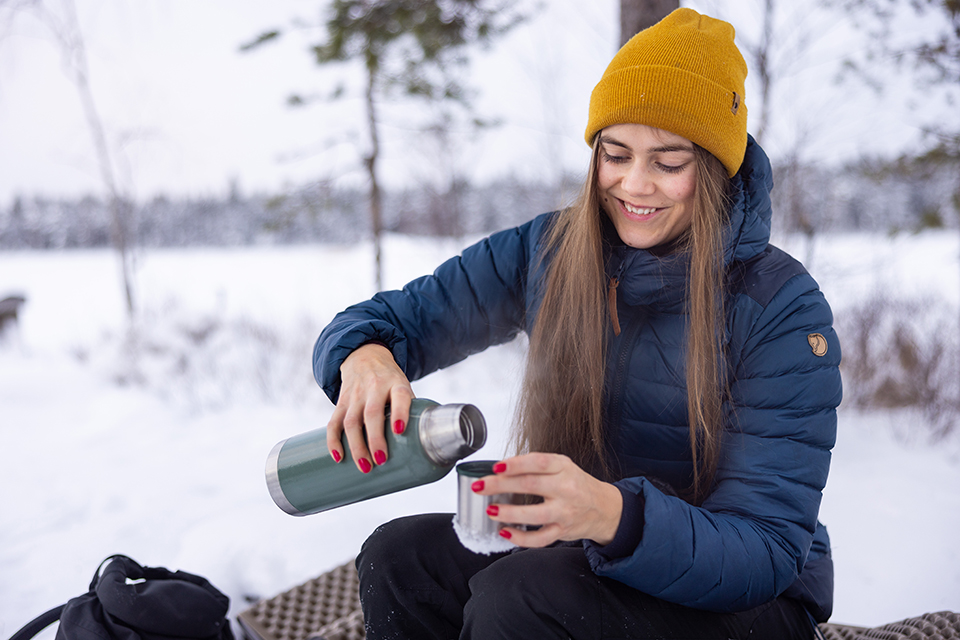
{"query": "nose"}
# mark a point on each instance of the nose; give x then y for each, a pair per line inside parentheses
(637, 181)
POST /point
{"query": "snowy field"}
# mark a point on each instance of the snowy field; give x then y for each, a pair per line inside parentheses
(153, 445)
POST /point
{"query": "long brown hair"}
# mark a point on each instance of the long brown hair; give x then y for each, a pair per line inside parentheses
(561, 404)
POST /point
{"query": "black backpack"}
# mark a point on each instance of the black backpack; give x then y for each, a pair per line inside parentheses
(130, 602)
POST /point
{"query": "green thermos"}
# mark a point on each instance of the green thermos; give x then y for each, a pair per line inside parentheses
(304, 479)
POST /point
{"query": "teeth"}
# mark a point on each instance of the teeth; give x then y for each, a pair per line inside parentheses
(639, 211)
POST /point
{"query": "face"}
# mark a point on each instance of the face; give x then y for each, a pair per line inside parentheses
(647, 178)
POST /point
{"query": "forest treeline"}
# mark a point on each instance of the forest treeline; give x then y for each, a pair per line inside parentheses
(309, 214)
(870, 195)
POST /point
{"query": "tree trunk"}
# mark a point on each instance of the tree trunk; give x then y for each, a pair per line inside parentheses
(121, 211)
(764, 67)
(637, 15)
(376, 206)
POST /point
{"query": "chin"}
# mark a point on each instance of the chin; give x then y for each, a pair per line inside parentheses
(638, 240)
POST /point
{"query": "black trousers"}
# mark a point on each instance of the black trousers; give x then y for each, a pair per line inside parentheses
(418, 582)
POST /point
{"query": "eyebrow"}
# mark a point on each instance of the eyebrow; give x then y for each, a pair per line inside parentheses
(667, 148)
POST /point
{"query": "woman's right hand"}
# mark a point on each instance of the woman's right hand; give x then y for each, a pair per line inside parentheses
(370, 378)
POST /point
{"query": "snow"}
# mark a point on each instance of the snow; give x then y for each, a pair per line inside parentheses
(479, 542)
(154, 445)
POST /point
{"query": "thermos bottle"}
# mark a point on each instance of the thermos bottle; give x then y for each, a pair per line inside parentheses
(304, 479)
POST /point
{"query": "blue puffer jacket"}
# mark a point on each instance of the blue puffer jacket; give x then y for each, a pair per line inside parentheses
(756, 535)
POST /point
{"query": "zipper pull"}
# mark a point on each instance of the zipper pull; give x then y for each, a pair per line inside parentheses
(612, 303)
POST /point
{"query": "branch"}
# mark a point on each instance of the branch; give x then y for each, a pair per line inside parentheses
(266, 36)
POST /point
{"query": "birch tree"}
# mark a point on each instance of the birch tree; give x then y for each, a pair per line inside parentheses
(61, 19)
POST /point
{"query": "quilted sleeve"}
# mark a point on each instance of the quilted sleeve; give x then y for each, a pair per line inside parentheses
(472, 301)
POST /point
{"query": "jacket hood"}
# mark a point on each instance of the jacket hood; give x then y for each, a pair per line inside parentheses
(748, 232)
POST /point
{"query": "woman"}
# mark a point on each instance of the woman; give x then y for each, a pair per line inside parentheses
(678, 406)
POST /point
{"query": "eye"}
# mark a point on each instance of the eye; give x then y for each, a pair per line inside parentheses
(607, 157)
(669, 168)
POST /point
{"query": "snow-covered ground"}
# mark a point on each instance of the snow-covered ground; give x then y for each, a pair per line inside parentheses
(154, 445)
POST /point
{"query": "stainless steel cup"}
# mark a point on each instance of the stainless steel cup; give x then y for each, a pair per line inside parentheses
(472, 507)
(476, 531)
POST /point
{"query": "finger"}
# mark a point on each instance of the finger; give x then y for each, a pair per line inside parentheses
(373, 419)
(353, 426)
(400, 397)
(532, 515)
(531, 463)
(538, 485)
(334, 431)
(542, 537)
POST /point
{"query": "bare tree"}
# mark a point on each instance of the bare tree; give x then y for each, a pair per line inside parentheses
(637, 15)
(777, 51)
(65, 27)
(761, 52)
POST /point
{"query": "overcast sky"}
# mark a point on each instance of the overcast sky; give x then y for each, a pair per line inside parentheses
(187, 113)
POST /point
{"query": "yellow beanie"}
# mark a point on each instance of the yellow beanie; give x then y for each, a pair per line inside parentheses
(684, 75)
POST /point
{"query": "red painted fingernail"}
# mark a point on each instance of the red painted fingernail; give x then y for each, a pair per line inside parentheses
(364, 465)
(477, 486)
(493, 510)
(505, 534)
(500, 467)
(380, 457)
(336, 455)
(398, 427)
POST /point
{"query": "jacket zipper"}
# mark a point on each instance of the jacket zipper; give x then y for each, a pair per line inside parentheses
(612, 300)
(615, 393)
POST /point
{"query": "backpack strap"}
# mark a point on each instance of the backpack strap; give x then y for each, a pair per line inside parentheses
(44, 620)
(38, 624)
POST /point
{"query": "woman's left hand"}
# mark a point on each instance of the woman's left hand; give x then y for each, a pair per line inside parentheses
(575, 504)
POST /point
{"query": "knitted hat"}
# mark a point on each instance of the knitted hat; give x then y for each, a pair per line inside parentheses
(684, 75)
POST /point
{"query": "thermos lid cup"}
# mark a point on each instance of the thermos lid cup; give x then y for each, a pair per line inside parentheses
(476, 531)
(472, 507)
(476, 468)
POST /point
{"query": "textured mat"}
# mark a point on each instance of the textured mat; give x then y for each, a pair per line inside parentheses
(325, 608)
(328, 608)
(840, 632)
(943, 625)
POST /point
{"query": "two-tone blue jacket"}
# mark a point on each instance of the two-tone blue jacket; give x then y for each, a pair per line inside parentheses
(756, 535)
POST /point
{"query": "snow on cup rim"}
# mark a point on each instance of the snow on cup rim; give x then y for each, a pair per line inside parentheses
(476, 531)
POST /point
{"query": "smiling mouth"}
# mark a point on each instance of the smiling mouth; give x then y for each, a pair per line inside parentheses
(639, 211)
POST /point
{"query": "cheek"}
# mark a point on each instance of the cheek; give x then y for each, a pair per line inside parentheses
(607, 178)
(604, 185)
(683, 189)
(685, 196)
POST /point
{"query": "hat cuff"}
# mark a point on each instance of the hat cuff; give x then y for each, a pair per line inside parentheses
(675, 100)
